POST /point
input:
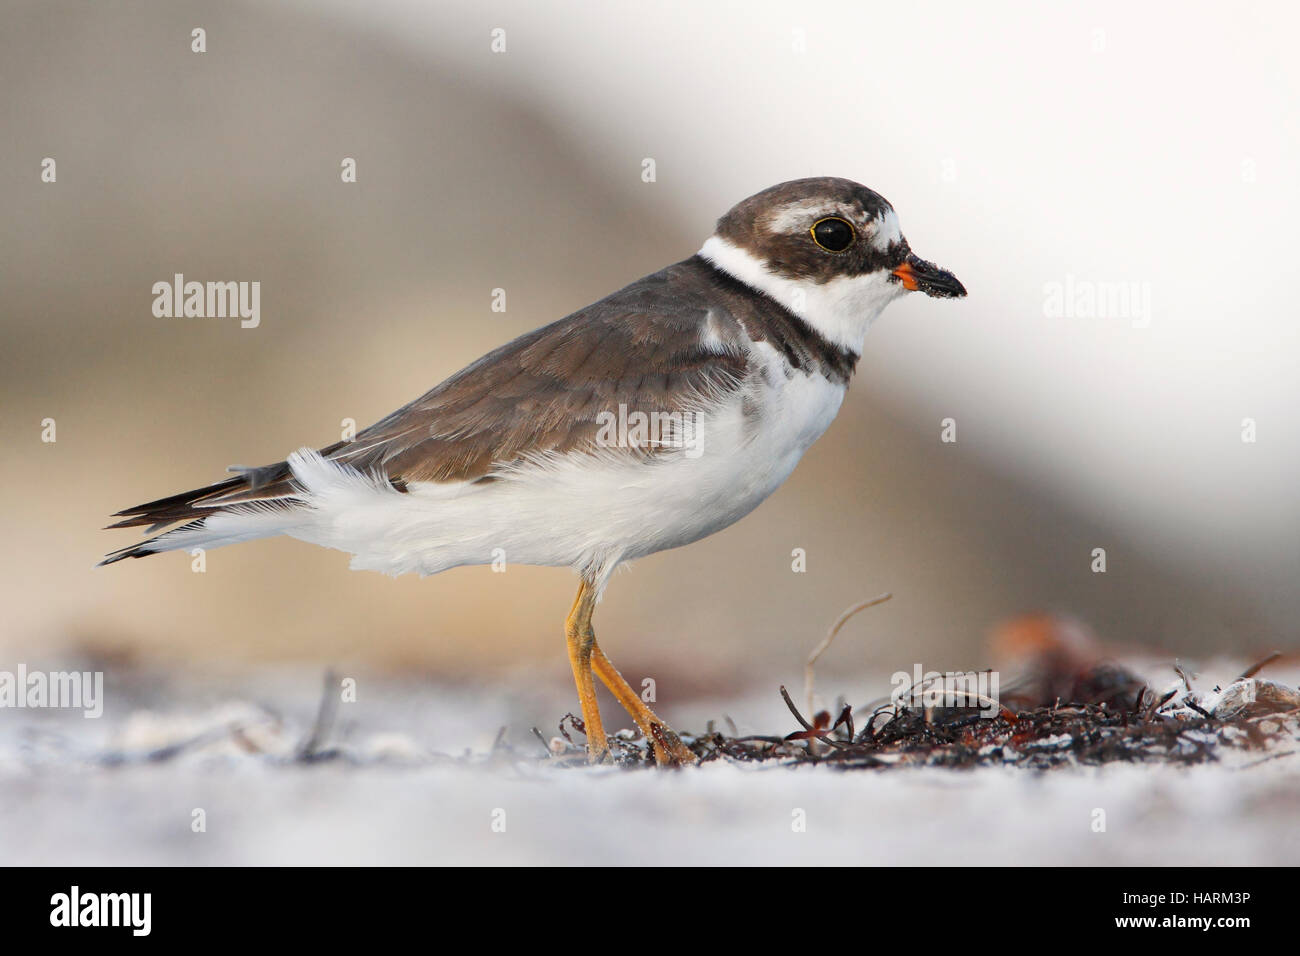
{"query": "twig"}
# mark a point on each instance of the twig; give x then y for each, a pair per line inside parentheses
(545, 746)
(846, 718)
(821, 648)
(1154, 707)
(172, 750)
(812, 731)
(785, 695)
(1252, 671)
(1277, 756)
(1137, 701)
(329, 703)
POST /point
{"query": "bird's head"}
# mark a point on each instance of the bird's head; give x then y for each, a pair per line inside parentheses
(829, 249)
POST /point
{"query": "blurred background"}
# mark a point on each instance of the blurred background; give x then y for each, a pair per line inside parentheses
(1052, 147)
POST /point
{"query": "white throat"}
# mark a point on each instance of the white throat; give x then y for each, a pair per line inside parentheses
(841, 310)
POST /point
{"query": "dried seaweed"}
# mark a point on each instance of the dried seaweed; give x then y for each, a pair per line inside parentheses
(1173, 728)
(1110, 716)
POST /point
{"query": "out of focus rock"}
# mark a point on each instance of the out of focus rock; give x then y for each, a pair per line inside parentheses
(1060, 659)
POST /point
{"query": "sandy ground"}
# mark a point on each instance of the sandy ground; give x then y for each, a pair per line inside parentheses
(403, 791)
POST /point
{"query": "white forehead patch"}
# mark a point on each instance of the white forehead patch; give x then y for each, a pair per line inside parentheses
(884, 230)
(801, 215)
(887, 231)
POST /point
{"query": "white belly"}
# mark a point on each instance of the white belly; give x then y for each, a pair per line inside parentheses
(580, 511)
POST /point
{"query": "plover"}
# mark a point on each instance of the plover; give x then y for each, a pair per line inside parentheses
(645, 421)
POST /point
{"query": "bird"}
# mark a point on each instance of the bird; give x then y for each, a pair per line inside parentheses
(645, 421)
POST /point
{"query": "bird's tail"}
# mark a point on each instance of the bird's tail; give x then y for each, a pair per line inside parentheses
(256, 503)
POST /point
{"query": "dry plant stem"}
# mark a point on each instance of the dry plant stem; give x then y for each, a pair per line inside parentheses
(1252, 671)
(785, 695)
(325, 715)
(821, 648)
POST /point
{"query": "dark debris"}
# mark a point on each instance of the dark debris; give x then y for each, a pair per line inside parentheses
(1123, 721)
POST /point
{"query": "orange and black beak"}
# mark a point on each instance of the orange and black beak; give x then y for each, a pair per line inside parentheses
(917, 275)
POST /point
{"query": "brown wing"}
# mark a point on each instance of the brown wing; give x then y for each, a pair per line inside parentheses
(641, 348)
(544, 392)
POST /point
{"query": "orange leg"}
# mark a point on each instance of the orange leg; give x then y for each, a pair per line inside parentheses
(584, 654)
(668, 747)
(581, 639)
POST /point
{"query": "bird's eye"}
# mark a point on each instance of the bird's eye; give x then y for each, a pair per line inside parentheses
(832, 234)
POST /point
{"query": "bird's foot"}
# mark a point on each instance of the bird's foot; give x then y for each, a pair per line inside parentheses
(668, 748)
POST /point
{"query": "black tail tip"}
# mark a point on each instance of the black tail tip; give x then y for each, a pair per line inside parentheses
(135, 551)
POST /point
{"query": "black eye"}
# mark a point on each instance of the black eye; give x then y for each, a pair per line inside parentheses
(833, 235)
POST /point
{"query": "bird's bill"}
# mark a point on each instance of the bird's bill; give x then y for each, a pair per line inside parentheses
(917, 275)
